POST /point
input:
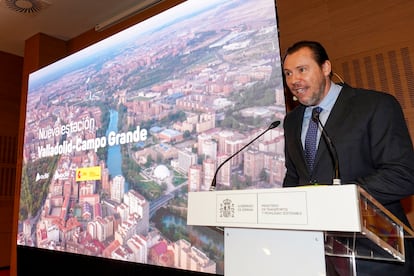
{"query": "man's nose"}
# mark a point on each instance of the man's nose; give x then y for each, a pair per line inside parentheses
(294, 79)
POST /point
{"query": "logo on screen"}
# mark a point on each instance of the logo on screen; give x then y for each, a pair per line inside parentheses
(42, 176)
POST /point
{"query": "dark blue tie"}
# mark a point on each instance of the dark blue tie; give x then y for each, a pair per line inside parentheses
(311, 138)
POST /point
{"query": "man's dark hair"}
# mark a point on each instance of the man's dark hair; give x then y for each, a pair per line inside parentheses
(319, 53)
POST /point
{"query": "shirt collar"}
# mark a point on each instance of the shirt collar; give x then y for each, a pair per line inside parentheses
(328, 102)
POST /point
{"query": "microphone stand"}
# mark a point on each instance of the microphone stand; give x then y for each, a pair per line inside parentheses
(214, 182)
(332, 150)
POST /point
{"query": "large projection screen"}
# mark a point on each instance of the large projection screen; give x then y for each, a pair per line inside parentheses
(118, 133)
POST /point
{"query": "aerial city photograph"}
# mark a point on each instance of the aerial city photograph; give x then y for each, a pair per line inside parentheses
(117, 134)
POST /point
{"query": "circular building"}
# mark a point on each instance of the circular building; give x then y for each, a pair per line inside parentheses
(161, 172)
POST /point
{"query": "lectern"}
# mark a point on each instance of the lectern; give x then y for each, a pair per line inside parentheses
(292, 231)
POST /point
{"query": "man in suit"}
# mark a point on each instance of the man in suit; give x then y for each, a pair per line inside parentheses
(369, 134)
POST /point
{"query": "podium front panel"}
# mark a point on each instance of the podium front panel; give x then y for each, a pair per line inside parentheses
(268, 252)
(320, 208)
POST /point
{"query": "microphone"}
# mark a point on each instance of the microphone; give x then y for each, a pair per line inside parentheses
(331, 148)
(272, 126)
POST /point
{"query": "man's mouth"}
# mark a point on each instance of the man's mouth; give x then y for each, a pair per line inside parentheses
(300, 90)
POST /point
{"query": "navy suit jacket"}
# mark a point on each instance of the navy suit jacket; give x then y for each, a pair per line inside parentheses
(373, 146)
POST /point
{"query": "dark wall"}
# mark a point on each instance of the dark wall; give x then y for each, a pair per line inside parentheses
(11, 67)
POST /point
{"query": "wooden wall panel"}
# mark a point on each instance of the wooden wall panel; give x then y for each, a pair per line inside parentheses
(301, 19)
(345, 27)
(388, 69)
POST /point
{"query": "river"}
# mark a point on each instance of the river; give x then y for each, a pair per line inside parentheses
(114, 160)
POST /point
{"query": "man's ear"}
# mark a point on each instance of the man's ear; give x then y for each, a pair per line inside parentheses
(327, 68)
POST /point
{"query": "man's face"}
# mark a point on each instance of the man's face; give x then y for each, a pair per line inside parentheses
(307, 81)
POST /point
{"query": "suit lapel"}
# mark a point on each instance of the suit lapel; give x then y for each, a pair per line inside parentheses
(336, 118)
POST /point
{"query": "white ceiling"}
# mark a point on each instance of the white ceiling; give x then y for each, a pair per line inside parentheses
(63, 19)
